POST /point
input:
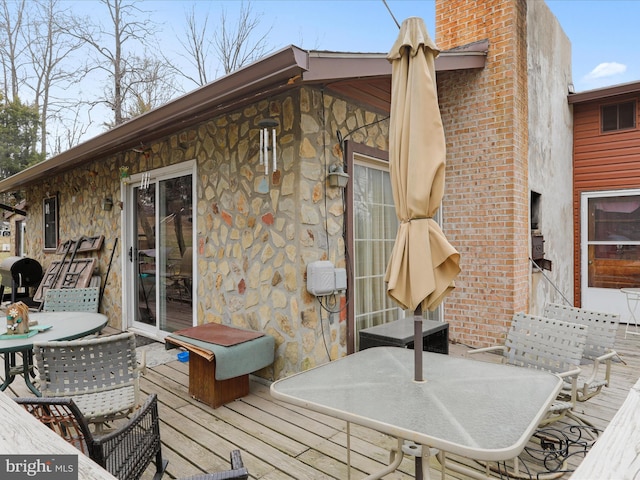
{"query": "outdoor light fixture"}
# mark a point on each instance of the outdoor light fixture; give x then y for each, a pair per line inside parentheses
(337, 176)
(268, 142)
(107, 204)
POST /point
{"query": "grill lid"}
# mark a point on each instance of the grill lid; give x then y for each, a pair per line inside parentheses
(24, 271)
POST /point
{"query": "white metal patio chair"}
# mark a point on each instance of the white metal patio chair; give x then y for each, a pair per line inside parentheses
(100, 374)
(545, 344)
(601, 337)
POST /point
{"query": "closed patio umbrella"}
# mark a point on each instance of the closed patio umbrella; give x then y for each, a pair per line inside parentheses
(423, 264)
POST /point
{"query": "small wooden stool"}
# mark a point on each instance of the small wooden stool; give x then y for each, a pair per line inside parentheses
(221, 359)
(205, 387)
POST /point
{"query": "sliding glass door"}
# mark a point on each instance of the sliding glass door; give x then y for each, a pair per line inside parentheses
(161, 255)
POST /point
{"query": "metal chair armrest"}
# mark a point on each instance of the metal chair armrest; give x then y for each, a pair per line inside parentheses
(607, 356)
(570, 373)
(497, 348)
(591, 382)
(573, 375)
(606, 359)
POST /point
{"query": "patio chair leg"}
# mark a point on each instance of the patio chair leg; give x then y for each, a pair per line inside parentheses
(161, 464)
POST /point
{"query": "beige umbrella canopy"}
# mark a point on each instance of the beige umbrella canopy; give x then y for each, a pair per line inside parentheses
(423, 264)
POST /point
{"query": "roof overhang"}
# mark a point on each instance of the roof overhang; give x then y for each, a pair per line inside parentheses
(604, 93)
(283, 70)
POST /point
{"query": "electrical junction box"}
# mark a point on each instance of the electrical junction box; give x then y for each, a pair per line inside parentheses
(321, 278)
(324, 279)
(341, 279)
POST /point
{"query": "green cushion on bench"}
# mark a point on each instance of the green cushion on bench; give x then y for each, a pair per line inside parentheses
(240, 359)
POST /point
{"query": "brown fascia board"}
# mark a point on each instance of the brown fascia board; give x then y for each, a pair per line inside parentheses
(465, 57)
(604, 93)
(325, 67)
(274, 74)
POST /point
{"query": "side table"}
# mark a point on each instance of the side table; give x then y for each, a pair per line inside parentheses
(435, 335)
(221, 359)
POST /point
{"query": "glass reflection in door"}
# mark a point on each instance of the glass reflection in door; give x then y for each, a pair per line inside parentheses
(164, 247)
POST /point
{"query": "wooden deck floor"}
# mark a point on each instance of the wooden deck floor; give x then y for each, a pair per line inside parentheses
(281, 441)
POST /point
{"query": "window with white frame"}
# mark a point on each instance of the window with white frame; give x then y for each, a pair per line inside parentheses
(375, 227)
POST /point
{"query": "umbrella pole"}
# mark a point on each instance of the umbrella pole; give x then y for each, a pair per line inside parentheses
(417, 343)
(417, 354)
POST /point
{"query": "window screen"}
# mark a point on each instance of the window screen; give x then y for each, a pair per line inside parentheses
(619, 116)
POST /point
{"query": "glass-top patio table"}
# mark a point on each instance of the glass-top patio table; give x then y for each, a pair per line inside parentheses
(479, 410)
(63, 326)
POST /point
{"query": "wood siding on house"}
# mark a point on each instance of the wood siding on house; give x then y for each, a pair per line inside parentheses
(602, 161)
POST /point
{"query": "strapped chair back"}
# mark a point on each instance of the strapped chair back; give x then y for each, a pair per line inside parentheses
(125, 452)
(599, 349)
(603, 327)
(72, 299)
(544, 343)
(100, 374)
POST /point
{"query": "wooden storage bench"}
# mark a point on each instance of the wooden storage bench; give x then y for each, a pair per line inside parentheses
(221, 359)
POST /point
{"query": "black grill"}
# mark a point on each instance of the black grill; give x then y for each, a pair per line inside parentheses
(19, 272)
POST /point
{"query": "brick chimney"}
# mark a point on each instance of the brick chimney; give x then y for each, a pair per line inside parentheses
(487, 194)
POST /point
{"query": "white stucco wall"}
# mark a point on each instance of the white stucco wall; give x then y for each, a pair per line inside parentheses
(550, 152)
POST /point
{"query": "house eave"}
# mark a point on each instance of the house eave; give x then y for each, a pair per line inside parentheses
(604, 93)
(180, 113)
(283, 70)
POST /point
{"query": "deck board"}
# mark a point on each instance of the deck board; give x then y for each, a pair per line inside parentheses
(283, 441)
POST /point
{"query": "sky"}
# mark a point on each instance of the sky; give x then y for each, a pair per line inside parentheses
(604, 34)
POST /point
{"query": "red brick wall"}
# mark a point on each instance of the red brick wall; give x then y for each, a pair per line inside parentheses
(485, 209)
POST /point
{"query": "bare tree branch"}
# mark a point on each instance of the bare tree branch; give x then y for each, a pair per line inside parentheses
(235, 46)
(10, 48)
(49, 46)
(197, 46)
(114, 48)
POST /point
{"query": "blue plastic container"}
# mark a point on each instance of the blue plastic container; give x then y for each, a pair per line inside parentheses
(183, 356)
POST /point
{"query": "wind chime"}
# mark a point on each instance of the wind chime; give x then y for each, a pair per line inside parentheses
(144, 183)
(268, 143)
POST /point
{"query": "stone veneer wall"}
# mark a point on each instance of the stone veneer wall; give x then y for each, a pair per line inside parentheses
(252, 247)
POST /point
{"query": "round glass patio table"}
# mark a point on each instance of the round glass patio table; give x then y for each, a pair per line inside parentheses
(63, 326)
